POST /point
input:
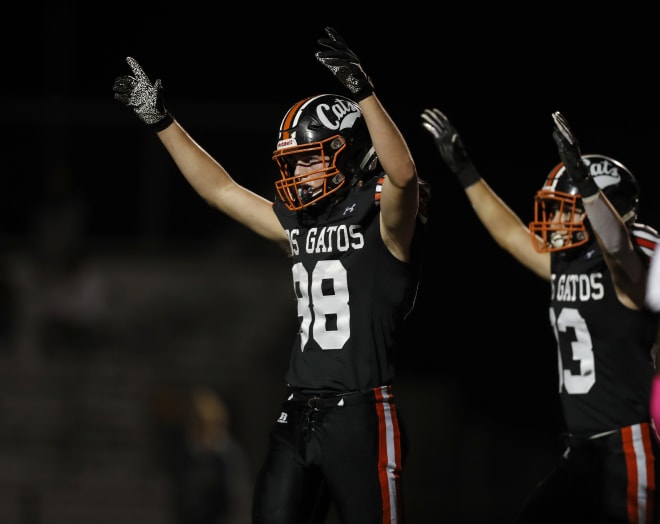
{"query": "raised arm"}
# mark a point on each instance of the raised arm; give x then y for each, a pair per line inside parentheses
(400, 193)
(506, 228)
(207, 176)
(625, 262)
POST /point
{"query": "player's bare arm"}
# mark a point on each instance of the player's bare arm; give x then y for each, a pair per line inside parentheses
(207, 177)
(400, 196)
(504, 226)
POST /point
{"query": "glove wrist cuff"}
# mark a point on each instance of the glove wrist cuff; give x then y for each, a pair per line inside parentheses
(587, 187)
(163, 123)
(363, 93)
(468, 175)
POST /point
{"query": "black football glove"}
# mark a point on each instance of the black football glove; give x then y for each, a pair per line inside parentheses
(344, 64)
(145, 98)
(569, 153)
(450, 146)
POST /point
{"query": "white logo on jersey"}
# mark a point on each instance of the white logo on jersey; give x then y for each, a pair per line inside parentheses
(282, 419)
(349, 209)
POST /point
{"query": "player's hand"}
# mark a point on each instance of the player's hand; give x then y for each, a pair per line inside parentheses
(571, 157)
(450, 146)
(145, 98)
(446, 139)
(569, 149)
(344, 64)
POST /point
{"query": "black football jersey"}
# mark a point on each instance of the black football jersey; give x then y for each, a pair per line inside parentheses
(605, 349)
(352, 294)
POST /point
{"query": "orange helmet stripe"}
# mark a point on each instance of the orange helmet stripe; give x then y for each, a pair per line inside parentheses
(288, 119)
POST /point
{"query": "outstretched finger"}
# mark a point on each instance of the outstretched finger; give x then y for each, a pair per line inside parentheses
(432, 127)
(437, 119)
(137, 70)
(562, 126)
(333, 34)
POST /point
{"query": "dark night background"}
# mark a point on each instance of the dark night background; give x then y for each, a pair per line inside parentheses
(480, 327)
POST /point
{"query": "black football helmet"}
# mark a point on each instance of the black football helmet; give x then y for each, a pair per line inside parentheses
(559, 195)
(333, 127)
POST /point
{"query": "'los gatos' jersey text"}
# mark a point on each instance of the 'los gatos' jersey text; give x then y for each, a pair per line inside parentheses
(577, 287)
(327, 239)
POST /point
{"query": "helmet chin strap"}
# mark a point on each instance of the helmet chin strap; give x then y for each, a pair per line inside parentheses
(305, 193)
(368, 162)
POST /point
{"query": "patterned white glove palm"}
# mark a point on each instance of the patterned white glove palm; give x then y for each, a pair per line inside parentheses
(145, 98)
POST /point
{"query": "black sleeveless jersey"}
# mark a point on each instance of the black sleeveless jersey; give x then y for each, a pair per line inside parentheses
(352, 294)
(604, 348)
